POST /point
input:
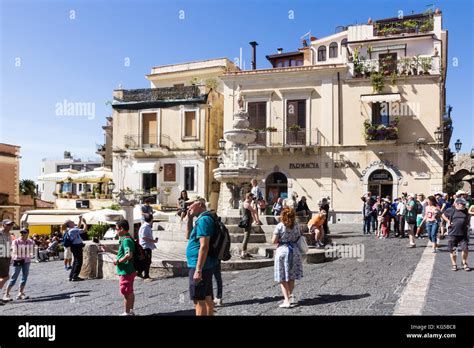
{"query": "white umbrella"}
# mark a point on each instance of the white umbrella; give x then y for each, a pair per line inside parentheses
(98, 175)
(61, 176)
(107, 216)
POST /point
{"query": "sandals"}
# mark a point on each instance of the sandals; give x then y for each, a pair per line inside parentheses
(466, 267)
(454, 268)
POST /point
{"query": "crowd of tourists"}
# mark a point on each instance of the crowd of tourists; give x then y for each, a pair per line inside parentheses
(413, 216)
(417, 216)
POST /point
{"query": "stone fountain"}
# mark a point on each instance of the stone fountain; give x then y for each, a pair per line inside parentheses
(235, 172)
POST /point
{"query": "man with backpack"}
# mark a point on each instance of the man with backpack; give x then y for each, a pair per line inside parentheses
(125, 266)
(457, 220)
(410, 219)
(201, 265)
(72, 238)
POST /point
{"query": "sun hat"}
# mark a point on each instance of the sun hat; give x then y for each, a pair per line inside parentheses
(194, 198)
(7, 222)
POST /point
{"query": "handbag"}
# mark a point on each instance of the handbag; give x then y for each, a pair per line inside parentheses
(244, 223)
(302, 245)
(18, 263)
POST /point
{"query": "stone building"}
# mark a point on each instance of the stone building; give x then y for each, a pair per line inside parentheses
(165, 138)
(363, 109)
(9, 182)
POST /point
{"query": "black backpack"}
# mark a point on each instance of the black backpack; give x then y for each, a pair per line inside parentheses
(219, 245)
(419, 207)
(139, 257)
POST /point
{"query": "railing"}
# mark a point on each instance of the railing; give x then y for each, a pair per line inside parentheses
(380, 132)
(296, 137)
(408, 24)
(153, 141)
(261, 139)
(301, 137)
(164, 93)
(405, 66)
(141, 141)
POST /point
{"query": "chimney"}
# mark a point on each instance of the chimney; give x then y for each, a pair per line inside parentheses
(280, 50)
(254, 45)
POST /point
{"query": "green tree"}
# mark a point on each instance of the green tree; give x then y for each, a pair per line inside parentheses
(28, 187)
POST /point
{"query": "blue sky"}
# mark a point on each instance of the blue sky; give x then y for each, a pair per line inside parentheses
(50, 54)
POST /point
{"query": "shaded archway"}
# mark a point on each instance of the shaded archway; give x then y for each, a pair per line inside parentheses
(380, 183)
(276, 185)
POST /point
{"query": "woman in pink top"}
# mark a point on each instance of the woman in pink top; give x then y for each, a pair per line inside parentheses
(431, 217)
(23, 249)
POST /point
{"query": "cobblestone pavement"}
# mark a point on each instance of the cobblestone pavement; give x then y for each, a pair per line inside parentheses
(341, 287)
(451, 293)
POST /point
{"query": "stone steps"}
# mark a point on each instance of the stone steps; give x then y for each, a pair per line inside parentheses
(254, 238)
(237, 229)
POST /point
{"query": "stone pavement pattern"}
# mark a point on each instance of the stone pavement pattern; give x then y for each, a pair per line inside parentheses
(341, 287)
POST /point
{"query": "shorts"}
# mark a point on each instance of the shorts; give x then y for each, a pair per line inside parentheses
(126, 283)
(199, 292)
(5, 267)
(67, 253)
(455, 241)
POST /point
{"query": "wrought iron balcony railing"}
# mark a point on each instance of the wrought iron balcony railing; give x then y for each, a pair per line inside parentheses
(405, 66)
(297, 137)
(161, 94)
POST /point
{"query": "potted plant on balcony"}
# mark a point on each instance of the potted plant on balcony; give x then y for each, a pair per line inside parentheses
(377, 82)
(404, 66)
(294, 128)
(410, 25)
(96, 192)
(425, 63)
(414, 63)
(153, 191)
(427, 25)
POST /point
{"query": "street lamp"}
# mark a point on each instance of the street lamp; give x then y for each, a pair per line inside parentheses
(111, 186)
(222, 143)
(438, 135)
(458, 145)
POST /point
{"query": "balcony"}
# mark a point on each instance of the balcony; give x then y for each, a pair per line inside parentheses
(296, 137)
(405, 66)
(420, 23)
(380, 133)
(288, 138)
(154, 143)
(135, 99)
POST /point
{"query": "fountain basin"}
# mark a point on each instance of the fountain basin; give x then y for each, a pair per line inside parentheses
(240, 136)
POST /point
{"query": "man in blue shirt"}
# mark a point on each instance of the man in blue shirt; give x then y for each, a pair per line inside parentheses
(201, 266)
(76, 248)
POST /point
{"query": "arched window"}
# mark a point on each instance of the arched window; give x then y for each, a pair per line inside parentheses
(321, 53)
(343, 44)
(333, 50)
